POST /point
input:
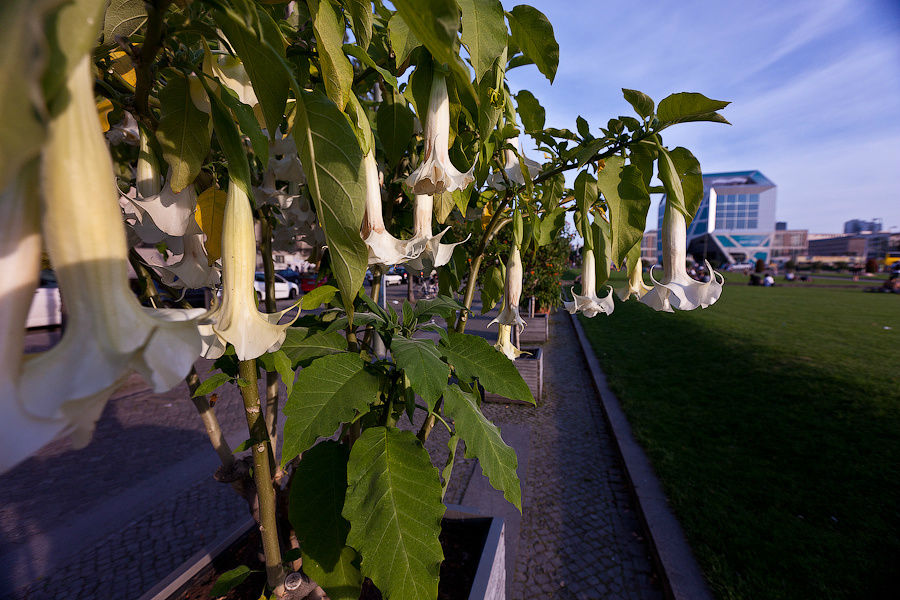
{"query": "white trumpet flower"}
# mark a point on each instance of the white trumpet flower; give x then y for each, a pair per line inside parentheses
(108, 333)
(512, 293)
(236, 318)
(504, 343)
(512, 168)
(288, 167)
(436, 174)
(384, 248)
(588, 303)
(434, 254)
(677, 289)
(192, 271)
(636, 286)
(21, 433)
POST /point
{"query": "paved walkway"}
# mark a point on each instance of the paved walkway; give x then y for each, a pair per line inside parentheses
(76, 524)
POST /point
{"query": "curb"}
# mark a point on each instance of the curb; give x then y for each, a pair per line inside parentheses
(180, 576)
(680, 574)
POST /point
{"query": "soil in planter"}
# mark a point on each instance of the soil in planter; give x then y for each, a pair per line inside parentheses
(462, 541)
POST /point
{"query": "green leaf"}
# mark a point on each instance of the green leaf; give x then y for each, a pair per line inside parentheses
(491, 288)
(337, 72)
(483, 32)
(211, 383)
(549, 227)
(316, 297)
(689, 106)
(602, 248)
(641, 102)
(688, 169)
(490, 100)
(123, 18)
(498, 461)
(403, 41)
(332, 161)
(422, 363)
(285, 370)
(262, 52)
(230, 141)
(327, 393)
(229, 580)
(395, 123)
(444, 306)
(71, 31)
(628, 202)
(361, 20)
(533, 34)
(248, 122)
(363, 57)
(474, 358)
(183, 131)
(669, 176)
(300, 345)
(243, 446)
(318, 489)
(394, 508)
(436, 24)
(530, 110)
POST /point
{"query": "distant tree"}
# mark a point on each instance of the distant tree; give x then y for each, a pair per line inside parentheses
(871, 266)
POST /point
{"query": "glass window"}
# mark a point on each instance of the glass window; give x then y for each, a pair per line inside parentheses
(729, 223)
(752, 224)
(742, 197)
(753, 213)
(741, 223)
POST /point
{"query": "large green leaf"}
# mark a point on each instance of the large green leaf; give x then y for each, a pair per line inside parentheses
(318, 490)
(403, 41)
(262, 52)
(122, 19)
(530, 110)
(394, 508)
(533, 34)
(361, 20)
(183, 131)
(363, 57)
(248, 122)
(473, 357)
(395, 123)
(498, 461)
(436, 24)
(549, 227)
(326, 393)
(628, 202)
(688, 169)
(668, 174)
(337, 72)
(332, 161)
(641, 102)
(422, 363)
(602, 248)
(483, 32)
(230, 141)
(300, 345)
(491, 288)
(690, 106)
(490, 99)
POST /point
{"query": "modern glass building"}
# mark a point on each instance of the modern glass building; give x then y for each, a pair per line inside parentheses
(735, 221)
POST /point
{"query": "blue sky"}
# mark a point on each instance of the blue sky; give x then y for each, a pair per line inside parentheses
(815, 88)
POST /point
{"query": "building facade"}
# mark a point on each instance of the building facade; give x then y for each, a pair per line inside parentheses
(856, 226)
(736, 218)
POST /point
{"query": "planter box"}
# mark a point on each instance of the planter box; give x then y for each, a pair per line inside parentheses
(487, 583)
(537, 329)
(531, 368)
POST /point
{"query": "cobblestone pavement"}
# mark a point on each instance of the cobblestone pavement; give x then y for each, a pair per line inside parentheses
(580, 537)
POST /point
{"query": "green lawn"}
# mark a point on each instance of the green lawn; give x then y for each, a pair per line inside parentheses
(773, 420)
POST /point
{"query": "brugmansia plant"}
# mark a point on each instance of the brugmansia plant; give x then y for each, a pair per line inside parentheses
(235, 127)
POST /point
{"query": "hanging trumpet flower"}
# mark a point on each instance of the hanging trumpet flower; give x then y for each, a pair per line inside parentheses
(436, 174)
(504, 343)
(236, 318)
(384, 248)
(434, 254)
(192, 271)
(588, 303)
(512, 292)
(677, 289)
(512, 168)
(636, 286)
(108, 333)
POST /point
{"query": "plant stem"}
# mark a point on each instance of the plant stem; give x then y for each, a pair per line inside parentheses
(271, 414)
(210, 422)
(448, 467)
(143, 60)
(262, 475)
(428, 425)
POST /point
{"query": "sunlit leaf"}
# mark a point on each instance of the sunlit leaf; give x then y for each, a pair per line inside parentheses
(210, 216)
(422, 363)
(337, 73)
(183, 131)
(483, 32)
(690, 106)
(533, 34)
(473, 357)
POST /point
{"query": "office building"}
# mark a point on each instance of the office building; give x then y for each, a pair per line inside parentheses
(857, 226)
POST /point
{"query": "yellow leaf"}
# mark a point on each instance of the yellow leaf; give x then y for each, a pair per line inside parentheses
(486, 216)
(121, 64)
(104, 107)
(209, 216)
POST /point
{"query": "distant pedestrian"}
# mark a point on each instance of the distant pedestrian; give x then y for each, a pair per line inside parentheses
(768, 280)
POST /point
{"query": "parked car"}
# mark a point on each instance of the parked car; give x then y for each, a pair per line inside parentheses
(395, 276)
(46, 305)
(310, 281)
(283, 287)
(289, 274)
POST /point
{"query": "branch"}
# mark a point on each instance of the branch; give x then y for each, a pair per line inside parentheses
(143, 60)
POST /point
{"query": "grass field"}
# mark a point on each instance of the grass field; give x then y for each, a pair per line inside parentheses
(773, 421)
